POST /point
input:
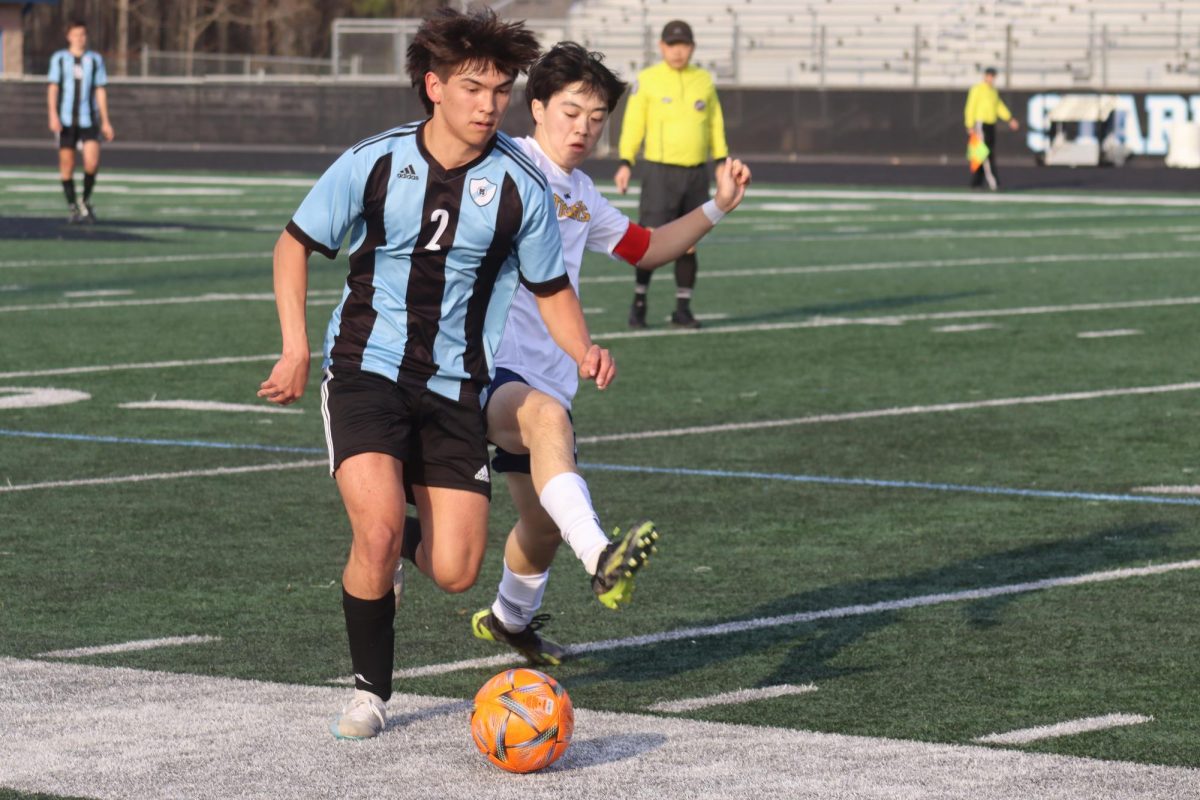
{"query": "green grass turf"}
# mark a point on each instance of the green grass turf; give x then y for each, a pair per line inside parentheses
(256, 558)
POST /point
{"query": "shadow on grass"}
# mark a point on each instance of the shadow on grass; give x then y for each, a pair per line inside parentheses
(58, 229)
(818, 643)
(882, 304)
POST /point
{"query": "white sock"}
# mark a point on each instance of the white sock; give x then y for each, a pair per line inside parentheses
(566, 499)
(518, 598)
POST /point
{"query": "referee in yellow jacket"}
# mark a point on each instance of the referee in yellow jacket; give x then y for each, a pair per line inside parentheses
(983, 108)
(674, 118)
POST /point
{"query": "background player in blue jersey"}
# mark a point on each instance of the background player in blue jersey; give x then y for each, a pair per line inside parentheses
(570, 94)
(445, 217)
(77, 102)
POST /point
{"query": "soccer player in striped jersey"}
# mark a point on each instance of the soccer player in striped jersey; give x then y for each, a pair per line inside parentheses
(77, 103)
(446, 218)
(570, 93)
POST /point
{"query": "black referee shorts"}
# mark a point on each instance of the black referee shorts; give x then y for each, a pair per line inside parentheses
(440, 441)
(669, 192)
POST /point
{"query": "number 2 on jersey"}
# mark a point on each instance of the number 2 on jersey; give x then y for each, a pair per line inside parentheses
(442, 217)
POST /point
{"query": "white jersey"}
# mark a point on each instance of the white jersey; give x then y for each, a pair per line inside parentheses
(586, 221)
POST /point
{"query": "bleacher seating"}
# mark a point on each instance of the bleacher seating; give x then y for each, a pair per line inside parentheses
(1100, 44)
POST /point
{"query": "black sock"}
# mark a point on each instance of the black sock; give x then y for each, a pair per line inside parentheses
(89, 180)
(643, 284)
(69, 190)
(683, 305)
(412, 538)
(369, 624)
(685, 271)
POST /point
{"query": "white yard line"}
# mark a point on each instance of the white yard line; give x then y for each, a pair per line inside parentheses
(129, 647)
(1072, 728)
(161, 476)
(942, 263)
(98, 293)
(978, 326)
(213, 297)
(211, 405)
(1108, 334)
(731, 698)
(1168, 490)
(193, 362)
(897, 319)
(166, 258)
(727, 628)
(879, 413)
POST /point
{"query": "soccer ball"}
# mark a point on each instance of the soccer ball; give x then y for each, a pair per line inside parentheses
(522, 720)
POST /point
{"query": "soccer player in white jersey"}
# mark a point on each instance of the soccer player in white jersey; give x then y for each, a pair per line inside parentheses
(446, 218)
(570, 93)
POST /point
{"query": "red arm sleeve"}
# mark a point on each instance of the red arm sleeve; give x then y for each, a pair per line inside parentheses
(633, 244)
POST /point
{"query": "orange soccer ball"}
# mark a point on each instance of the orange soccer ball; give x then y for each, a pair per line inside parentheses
(522, 720)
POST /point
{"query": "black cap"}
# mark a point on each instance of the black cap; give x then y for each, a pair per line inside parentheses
(677, 31)
(990, 71)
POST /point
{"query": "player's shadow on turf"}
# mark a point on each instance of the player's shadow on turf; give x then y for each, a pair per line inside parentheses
(597, 750)
(808, 651)
(54, 228)
(456, 707)
(881, 304)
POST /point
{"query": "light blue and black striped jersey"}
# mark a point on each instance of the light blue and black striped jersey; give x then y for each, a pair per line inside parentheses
(435, 256)
(78, 78)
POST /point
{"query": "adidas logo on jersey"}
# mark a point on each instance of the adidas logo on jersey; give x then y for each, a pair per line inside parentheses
(408, 173)
(482, 475)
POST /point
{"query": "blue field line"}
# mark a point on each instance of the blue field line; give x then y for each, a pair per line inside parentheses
(82, 437)
(702, 473)
(937, 487)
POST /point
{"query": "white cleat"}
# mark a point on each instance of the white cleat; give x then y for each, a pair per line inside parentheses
(364, 718)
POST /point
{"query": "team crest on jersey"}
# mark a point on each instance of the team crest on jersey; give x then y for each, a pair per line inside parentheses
(482, 191)
(578, 212)
(699, 105)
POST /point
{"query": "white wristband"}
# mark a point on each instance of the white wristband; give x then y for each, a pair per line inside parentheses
(713, 212)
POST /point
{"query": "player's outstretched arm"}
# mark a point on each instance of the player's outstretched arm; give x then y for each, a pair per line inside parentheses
(675, 238)
(289, 376)
(564, 319)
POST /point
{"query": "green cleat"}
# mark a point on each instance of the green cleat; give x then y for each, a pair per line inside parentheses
(620, 561)
(537, 651)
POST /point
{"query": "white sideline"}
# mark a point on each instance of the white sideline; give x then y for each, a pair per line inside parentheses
(730, 698)
(79, 730)
(1086, 725)
(726, 628)
(1002, 402)
(161, 476)
(1172, 490)
(129, 647)
(1108, 334)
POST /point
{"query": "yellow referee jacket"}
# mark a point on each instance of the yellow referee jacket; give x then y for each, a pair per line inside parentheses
(676, 115)
(984, 105)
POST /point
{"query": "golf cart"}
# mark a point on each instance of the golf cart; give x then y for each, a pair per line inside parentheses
(1085, 132)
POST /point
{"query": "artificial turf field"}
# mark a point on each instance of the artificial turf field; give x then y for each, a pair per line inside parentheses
(931, 463)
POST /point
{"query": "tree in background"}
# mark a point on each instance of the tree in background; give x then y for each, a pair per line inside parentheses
(119, 30)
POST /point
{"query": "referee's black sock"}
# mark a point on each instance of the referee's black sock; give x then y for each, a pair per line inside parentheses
(69, 190)
(372, 641)
(89, 180)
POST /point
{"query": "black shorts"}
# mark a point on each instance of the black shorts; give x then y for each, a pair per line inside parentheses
(72, 135)
(504, 460)
(441, 442)
(669, 192)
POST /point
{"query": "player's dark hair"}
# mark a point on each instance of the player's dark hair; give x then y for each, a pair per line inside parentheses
(73, 24)
(568, 63)
(450, 41)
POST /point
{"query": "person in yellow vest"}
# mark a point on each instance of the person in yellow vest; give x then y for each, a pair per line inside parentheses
(983, 108)
(674, 118)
